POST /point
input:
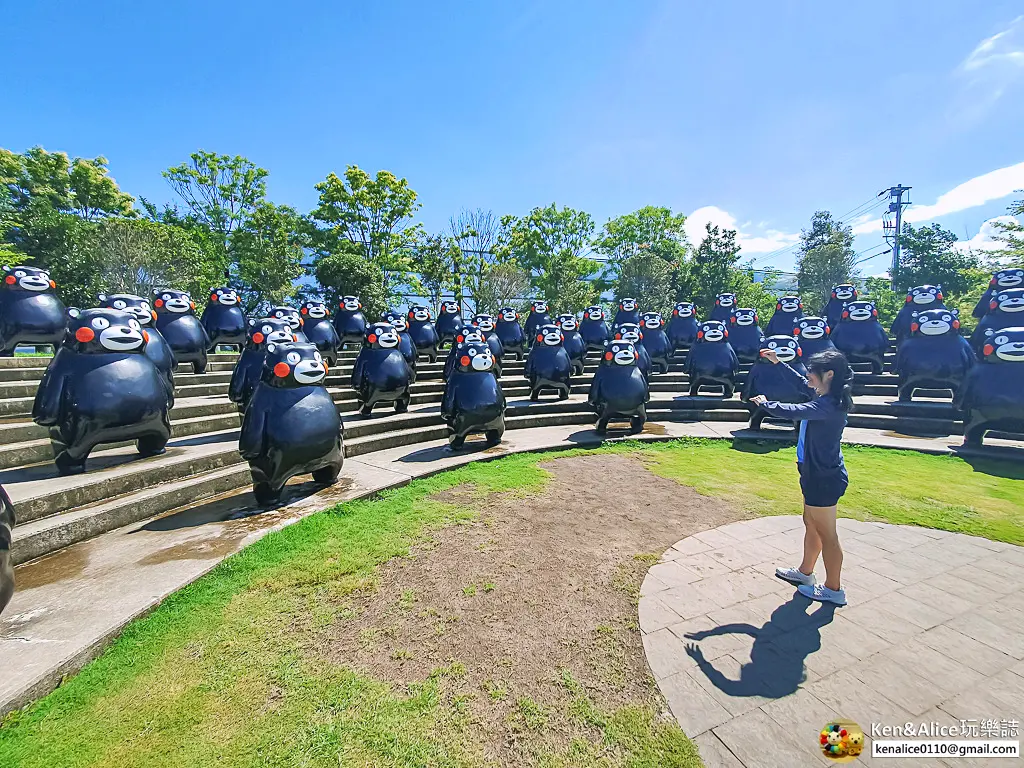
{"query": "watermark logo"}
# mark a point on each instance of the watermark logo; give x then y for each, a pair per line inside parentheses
(841, 741)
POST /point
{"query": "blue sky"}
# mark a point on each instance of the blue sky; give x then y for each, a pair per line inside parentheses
(750, 114)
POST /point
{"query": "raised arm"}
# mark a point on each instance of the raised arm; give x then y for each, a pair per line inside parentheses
(816, 410)
(797, 380)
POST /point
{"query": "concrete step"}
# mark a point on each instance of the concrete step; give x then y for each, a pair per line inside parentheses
(38, 491)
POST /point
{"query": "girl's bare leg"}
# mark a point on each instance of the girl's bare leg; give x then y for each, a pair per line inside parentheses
(823, 521)
(812, 544)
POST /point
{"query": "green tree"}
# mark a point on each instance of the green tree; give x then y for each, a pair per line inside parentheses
(552, 244)
(266, 256)
(219, 191)
(476, 232)
(348, 273)
(651, 229)
(437, 261)
(928, 256)
(825, 258)
(711, 270)
(65, 245)
(647, 278)
(94, 193)
(374, 213)
(137, 255)
(504, 284)
(887, 301)
(1011, 235)
(750, 293)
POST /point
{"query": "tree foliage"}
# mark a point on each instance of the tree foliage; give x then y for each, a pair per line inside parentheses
(1011, 235)
(137, 255)
(350, 273)
(437, 262)
(266, 256)
(552, 244)
(651, 229)
(219, 191)
(711, 270)
(504, 284)
(825, 258)
(476, 232)
(928, 256)
(375, 214)
(647, 278)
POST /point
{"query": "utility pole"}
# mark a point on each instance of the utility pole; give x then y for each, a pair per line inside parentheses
(891, 231)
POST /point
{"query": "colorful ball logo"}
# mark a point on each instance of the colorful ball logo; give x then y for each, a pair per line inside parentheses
(841, 741)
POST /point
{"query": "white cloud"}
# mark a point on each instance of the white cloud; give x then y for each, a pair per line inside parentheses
(763, 242)
(984, 240)
(1003, 49)
(989, 70)
(972, 193)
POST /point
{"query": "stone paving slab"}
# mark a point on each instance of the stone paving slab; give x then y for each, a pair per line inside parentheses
(752, 670)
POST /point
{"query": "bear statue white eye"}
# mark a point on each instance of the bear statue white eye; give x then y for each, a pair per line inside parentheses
(166, 297)
(134, 325)
(772, 345)
(803, 325)
(1000, 340)
(120, 304)
(19, 273)
(293, 357)
(267, 329)
(99, 323)
(145, 306)
(318, 357)
(947, 318)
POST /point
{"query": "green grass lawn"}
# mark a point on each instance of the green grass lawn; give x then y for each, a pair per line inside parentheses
(223, 672)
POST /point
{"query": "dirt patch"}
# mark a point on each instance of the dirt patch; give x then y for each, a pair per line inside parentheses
(533, 604)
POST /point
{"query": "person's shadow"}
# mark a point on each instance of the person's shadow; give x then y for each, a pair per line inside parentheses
(776, 665)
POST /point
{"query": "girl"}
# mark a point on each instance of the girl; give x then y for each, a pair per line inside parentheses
(823, 477)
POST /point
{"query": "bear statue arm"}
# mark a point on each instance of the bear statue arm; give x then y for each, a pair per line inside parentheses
(967, 353)
(748, 385)
(250, 441)
(595, 390)
(981, 308)
(46, 407)
(448, 401)
(235, 385)
(357, 371)
(734, 360)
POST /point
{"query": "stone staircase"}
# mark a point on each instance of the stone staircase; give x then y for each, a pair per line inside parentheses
(202, 461)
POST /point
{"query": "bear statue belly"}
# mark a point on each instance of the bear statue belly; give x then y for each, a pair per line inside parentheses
(939, 362)
(30, 318)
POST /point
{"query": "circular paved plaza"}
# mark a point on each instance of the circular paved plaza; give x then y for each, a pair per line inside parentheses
(934, 631)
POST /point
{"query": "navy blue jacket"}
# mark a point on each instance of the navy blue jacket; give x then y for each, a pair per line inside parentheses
(825, 419)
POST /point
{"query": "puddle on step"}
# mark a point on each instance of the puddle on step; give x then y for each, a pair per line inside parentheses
(52, 568)
(653, 428)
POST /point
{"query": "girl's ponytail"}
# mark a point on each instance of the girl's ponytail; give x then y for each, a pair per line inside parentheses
(842, 375)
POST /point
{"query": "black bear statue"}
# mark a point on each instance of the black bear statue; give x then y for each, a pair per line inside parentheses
(185, 335)
(619, 389)
(992, 395)
(224, 319)
(101, 388)
(473, 402)
(291, 425)
(934, 355)
(30, 312)
(248, 368)
(860, 336)
(712, 361)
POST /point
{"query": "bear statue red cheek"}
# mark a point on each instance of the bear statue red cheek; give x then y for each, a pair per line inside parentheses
(987, 350)
(158, 303)
(257, 337)
(213, 297)
(53, 284)
(10, 280)
(281, 370)
(145, 337)
(956, 324)
(85, 335)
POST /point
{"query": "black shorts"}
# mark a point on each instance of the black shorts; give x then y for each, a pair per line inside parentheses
(822, 489)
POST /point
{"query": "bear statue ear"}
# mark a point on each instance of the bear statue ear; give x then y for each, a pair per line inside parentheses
(8, 269)
(73, 312)
(155, 292)
(914, 314)
(271, 347)
(955, 312)
(252, 321)
(101, 297)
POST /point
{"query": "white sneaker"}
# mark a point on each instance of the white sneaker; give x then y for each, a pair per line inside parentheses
(795, 576)
(823, 594)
